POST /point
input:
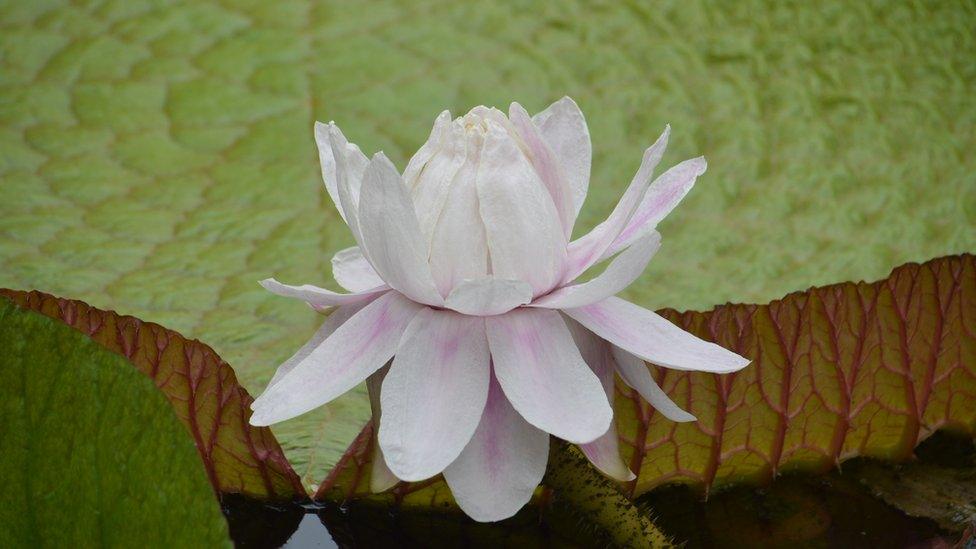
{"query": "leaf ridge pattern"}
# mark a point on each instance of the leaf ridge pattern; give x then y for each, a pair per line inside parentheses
(866, 369)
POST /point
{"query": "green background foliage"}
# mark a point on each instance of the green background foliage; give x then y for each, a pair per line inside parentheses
(93, 454)
(157, 158)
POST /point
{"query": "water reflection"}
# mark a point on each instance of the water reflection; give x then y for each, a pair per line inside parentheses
(833, 510)
(311, 534)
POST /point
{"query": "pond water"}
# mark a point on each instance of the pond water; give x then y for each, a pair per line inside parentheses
(832, 510)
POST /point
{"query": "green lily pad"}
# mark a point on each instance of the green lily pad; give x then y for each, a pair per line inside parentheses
(92, 452)
(158, 159)
(201, 389)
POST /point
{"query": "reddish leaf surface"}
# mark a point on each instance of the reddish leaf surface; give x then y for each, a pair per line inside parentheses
(350, 477)
(851, 369)
(866, 369)
(201, 387)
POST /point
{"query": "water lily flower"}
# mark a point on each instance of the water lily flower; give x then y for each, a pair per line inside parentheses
(463, 311)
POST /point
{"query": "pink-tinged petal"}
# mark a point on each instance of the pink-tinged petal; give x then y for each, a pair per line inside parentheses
(353, 272)
(621, 272)
(635, 374)
(320, 298)
(651, 337)
(502, 464)
(434, 395)
(547, 166)
(332, 322)
(391, 235)
(590, 248)
(342, 166)
(359, 347)
(488, 296)
(459, 245)
(525, 238)
(604, 452)
(564, 129)
(544, 376)
(663, 195)
(381, 478)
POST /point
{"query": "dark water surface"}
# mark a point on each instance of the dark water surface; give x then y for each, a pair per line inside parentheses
(832, 510)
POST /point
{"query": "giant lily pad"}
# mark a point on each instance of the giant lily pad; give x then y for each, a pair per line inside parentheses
(201, 389)
(157, 158)
(92, 452)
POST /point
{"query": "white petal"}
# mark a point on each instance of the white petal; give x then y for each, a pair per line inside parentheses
(621, 272)
(319, 298)
(335, 319)
(488, 296)
(342, 166)
(635, 374)
(431, 187)
(662, 196)
(355, 350)
(544, 376)
(459, 245)
(563, 127)
(589, 248)
(418, 161)
(547, 166)
(604, 452)
(381, 478)
(391, 236)
(434, 395)
(353, 272)
(502, 464)
(525, 237)
(651, 337)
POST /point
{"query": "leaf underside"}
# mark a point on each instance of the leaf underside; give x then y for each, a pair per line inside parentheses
(201, 388)
(841, 371)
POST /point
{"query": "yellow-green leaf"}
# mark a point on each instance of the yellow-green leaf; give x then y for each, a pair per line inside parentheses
(156, 157)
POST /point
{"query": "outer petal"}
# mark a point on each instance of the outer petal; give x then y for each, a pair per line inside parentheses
(589, 248)
(651, 337)
(544, 376)
(335, 319)
(604, 452)
(547, 166)
(320, 298)
(381, 478)
(355, 350)
(353, 272)
(504, 461)
(525, 238)
(564, 129)
(635, 374)
(663, 195)
(488, 296)
(434, 395)
(391, 234)
(342, 170)
(621, 272)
